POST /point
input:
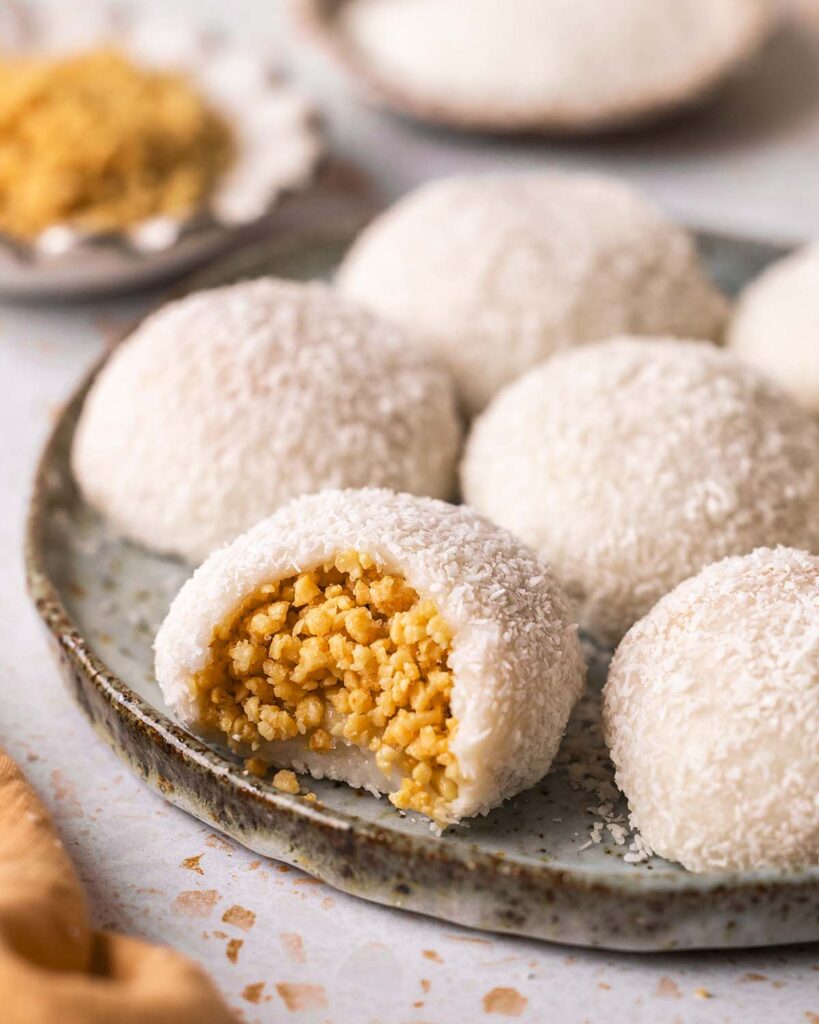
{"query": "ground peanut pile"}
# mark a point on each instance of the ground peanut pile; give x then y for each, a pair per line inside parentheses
(99, 143)
(344, 652)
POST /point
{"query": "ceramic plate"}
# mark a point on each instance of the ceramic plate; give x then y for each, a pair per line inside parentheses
(530, 868)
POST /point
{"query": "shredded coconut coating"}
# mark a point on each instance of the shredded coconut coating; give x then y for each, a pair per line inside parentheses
(514, 655)
(570, 64)
(776, 325)
(711, 711)
(632, 463)
(227, 404)
(527, 265)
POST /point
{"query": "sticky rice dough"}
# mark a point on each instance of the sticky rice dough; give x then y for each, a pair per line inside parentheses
(776, 325)
(223, 406)
(632, 463)
(711, 711)
(396, 643)
(494, 274)
(560, 65)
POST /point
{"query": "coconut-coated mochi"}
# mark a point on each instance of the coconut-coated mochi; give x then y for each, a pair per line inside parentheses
(711, 711)
(493, 274)
(631, 464)
(560, 65)
(515, 654)
(225, 405)
(775, 326)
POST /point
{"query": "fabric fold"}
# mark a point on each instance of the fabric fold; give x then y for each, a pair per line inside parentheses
(53, 965)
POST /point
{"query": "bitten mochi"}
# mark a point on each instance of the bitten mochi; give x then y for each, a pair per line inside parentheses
(223, 406)
(632, 463)
(393, 642)
(711, 711)
(492, 274)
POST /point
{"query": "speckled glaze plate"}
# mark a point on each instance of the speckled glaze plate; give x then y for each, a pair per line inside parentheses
(530, 868)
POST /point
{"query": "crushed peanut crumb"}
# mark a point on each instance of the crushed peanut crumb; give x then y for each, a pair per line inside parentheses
(286, 781)
(94, 141)
(256, 766)
(344, 653)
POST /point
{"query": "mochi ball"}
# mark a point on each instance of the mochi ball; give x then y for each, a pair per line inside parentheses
(392, 642)
(493, 274)
(225, 405)
(632, 463)
(550, 65)
(711, 710)
(776, 325)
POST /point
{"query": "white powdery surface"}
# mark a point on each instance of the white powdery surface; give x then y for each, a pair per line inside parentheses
(776, 325)
(515, 656)
(633, 463)
(711, 711)
(225, 405)
(564, 63)
(493, 274)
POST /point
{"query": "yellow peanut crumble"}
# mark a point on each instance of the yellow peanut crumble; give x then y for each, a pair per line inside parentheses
(286, 781)
(96, 142)
(344, 653)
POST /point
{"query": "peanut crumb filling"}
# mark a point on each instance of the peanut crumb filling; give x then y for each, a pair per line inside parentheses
(344, 653)
(96, 141)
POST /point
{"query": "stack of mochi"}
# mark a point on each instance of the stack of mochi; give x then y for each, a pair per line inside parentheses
(621, 471)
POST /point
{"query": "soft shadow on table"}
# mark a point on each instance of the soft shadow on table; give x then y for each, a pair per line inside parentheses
(753, 963)
(775, 95)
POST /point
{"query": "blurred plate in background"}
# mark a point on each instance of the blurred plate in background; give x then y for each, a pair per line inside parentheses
(278, 140)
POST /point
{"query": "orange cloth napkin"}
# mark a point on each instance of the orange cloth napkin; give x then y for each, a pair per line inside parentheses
(53, 966)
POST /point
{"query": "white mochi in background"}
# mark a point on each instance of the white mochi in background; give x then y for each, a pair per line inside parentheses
(495, 273)
(776, 325)
(633, 463)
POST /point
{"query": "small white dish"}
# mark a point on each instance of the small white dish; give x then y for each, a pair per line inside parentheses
(278, 139)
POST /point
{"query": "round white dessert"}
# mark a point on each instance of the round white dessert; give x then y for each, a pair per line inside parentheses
(502, 629)
(711, 711)
(552, 65)
(225, 405)
(631, 464)
(776, 325)
(493, 274)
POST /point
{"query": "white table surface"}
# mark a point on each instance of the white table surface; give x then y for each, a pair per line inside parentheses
(312, 954)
